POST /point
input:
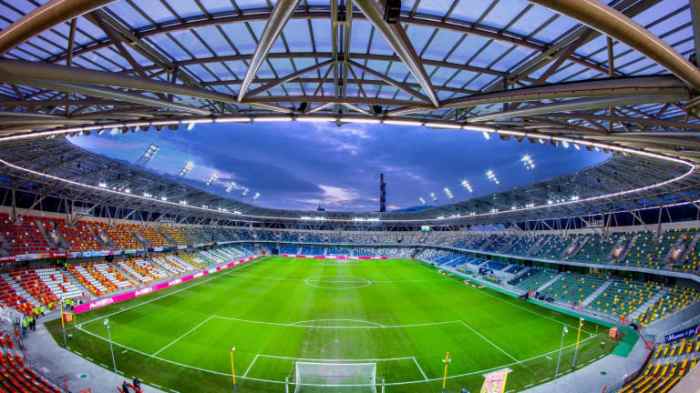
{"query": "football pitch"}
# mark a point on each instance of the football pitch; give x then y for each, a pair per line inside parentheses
(401, 315)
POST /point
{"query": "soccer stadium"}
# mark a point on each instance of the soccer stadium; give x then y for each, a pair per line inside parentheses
(354, 196)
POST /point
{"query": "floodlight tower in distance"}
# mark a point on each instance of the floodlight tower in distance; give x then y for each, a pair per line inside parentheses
(148, 155)
(382, 194)
(189, 165)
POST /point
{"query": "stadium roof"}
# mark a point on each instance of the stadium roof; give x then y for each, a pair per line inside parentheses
(611, 75)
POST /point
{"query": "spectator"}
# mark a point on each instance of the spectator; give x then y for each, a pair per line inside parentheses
(125, 387)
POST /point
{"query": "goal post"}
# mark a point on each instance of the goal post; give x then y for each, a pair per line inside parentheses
(312, 377)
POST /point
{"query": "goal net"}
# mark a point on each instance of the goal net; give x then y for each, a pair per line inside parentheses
(312, 377)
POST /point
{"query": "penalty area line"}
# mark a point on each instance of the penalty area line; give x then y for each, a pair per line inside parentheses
(425, 377)
(468, 326)
(187, 333)
(250, 366)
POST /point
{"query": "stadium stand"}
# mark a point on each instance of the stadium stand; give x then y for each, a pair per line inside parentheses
(622, 297)
(665, 367)
(573, 288)
(152, 236)
(674, 299)
(16, 376)
(22, 237)
(533, 279)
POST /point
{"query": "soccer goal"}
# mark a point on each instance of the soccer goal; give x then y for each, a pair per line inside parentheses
(311, 377)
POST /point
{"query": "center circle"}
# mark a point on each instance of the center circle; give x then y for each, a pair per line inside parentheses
(338, 284)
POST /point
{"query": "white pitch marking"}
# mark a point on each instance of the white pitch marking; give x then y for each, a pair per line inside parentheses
(348, 360)
(425, 377)
(410, 382)
(195, 327)
(468, 326)
(250, 366)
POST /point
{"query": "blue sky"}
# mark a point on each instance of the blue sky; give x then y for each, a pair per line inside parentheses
(296, 165)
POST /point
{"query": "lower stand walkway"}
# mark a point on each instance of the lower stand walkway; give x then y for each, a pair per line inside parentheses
(68, 369)
(605, 374)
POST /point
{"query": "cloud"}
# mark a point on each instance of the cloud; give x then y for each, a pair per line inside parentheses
(337, 195)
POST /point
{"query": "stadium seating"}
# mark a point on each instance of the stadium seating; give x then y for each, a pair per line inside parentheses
(33, 285)
(122, 235)
(667, 365)
(152, 236)
(23, 236)
(10, 298)
(573, 288)
(80, 236)
(533, 279)
(174, 233)
(16, 377)
(622, 297)
(675, 299)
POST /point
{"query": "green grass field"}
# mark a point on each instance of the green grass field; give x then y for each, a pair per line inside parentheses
(400, 314)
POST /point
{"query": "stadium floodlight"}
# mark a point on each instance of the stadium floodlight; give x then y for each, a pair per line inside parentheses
(433, 196)
(183, 202)
(231, 186)
(102, 184)
(528, 162)
(448, 193)
(440, 217)
(189, 165)
(467, 186)
(494, 210)
(127, 190)
(403, 123)
(245, 192)
(486, 135)
(421, 200)
(530, 205)
(491, 175)
(256, 196)
(164, 198)
(212, 179)
(575, 198)
(147, 195)
(550, 202)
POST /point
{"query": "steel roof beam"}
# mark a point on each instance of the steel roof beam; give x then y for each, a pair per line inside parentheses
(576, 105)
(288, 78)
(26, 72)
(636, 120)
(661, 85)
(275, 23)
(401, 44)
(105, 93)
(419, 20)
(45, 17)
(615, 24)
(391, 82)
